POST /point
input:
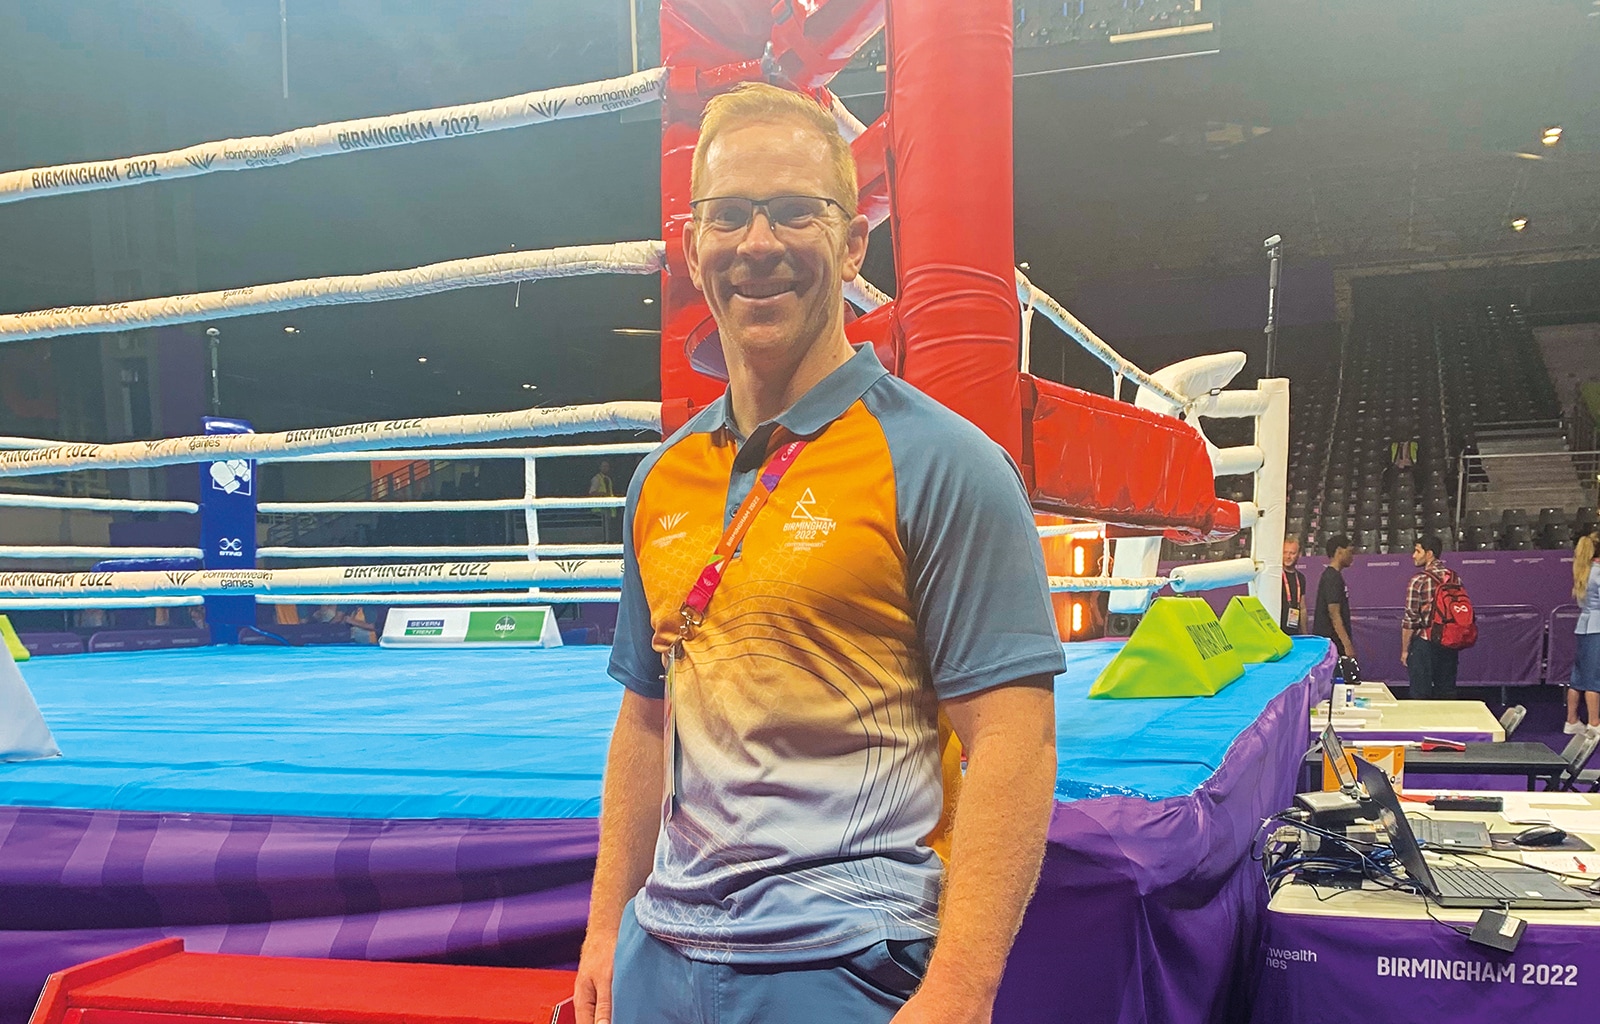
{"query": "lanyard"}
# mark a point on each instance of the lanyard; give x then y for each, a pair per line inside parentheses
(693, 612)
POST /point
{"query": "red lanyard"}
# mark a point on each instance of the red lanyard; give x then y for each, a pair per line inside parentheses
(694, 606)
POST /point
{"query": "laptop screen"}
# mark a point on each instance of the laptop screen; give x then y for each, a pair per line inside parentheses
(1394, 821)
(1341, 765)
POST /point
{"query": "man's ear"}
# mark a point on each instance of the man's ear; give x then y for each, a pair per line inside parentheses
(691, 253)
(855, 247)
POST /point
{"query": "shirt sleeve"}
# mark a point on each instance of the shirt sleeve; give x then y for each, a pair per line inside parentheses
(1419, 595)
(976, 569)
(634, 660)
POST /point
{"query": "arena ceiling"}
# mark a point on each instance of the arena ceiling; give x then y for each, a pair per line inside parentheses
(1368, 133)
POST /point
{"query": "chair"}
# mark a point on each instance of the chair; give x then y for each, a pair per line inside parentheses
(1511, 718)
(1577, 753)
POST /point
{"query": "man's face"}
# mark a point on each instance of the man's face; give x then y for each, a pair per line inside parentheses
(773, 292)
(1291, 553)
(1419, 555)
(1345, 557)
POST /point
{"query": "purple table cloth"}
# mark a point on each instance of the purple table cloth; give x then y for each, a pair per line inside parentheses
(1151, 910)
(1333, 970)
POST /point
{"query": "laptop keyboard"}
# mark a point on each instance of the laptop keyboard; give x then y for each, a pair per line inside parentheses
(1473, 883)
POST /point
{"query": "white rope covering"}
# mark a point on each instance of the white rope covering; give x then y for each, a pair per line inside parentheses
(419, 577)
(1074, 328)
(447, 454)
(54, 604)
(850, 126)
(77, 551)
(494, 426)
(1084, 584)
(1212, 575)
(447, 551)
(454, 505)
(864, 295)
(93, 504)
(457, 121)
(26, 442)
(478, 271)
(513, 597)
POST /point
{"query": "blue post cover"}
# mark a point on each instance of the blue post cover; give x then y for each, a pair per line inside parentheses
(228, 530)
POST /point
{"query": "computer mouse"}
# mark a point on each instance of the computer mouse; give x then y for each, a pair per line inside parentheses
(1539, 835)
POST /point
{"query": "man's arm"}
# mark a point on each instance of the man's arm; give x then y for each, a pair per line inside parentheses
(1336, 613)
(630, 817)
(1406, 634)
(997, 845)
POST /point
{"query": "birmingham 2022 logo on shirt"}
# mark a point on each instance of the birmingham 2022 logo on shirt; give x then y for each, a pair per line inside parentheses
(807, 528)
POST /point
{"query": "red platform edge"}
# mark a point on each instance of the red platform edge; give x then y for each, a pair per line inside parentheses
(145, 985)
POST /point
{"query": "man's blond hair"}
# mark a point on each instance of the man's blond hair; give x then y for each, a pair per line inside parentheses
(760, 103)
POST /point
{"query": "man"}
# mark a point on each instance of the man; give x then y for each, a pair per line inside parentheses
(1292, 612)
(792, 794)
(600, 486)
(1333, 601)
(1430, 666)
(768, 845)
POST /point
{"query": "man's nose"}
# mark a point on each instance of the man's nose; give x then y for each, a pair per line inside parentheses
(759, 238)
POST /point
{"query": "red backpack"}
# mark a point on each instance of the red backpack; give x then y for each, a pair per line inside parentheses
(1452, 613)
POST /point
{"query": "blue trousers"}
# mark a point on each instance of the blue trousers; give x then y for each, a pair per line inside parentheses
(656, 984)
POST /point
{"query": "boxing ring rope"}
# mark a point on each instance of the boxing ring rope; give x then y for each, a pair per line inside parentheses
(458, 121)
(28, 456)
(349, 579)
(175, 451)
(475, 272)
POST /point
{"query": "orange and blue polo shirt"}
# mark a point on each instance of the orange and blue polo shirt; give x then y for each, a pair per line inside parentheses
(897, 565)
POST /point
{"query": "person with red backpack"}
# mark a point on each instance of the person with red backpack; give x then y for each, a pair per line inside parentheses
(1438, 624)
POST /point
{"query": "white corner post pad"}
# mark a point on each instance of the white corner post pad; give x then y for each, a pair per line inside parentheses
(23, 734)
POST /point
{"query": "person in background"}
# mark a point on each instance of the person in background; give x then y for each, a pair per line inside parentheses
(1333, 601)
(600, 486)
(1586, 665)
(1430, 666)
(1292, 617)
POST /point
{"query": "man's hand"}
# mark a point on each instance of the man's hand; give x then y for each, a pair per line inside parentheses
(1404, 654)
(592, 996)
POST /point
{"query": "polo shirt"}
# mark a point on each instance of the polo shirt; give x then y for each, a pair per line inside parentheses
(896, 565)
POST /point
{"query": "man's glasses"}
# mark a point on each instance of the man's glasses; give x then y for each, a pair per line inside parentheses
(734, 213)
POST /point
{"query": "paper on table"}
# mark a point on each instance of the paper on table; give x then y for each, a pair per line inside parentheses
(1558, 800)
(1576, 821)
(1586, 863)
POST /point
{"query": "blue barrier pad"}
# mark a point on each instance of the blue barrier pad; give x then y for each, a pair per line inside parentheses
(362, 732)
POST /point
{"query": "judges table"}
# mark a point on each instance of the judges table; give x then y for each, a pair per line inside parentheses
(1376, 956)
(1531, 760)
(1465, 720)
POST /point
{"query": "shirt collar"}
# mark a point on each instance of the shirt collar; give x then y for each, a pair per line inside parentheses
(829, 399)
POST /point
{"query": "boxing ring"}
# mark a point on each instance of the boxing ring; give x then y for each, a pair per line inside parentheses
(439, 805)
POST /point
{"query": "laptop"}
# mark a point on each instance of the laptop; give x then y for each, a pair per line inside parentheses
(1443, 835)
(1516, 888)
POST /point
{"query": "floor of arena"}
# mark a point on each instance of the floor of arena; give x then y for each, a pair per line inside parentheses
(362, 732)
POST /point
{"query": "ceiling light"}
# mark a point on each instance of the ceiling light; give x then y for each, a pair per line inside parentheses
(530, 387)
(422, 359)
(1519, 224)
(291, 330)
(649, 302)
(635, 331)
(1528, 156)
(1552, 135)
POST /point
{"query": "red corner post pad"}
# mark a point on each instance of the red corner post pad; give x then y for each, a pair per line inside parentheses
(132, 986)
